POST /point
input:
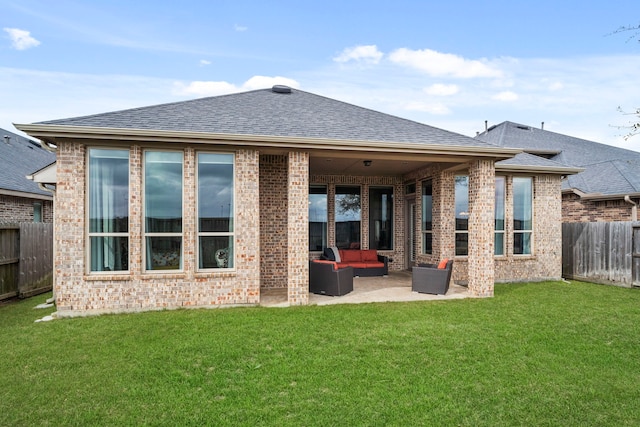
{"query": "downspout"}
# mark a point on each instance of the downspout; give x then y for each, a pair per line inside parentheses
(634, 208)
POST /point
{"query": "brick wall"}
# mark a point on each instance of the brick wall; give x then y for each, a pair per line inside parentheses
(273, 221)
(576, 209)
(20, 209)
(78, 292)
(546, 261)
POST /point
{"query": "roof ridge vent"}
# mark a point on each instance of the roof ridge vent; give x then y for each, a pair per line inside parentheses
(280, 89)
(523, 127)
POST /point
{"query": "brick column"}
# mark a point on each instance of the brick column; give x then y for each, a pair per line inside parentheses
(481, 227)
(298, 229)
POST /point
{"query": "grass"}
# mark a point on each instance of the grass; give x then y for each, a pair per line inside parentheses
(542, 354)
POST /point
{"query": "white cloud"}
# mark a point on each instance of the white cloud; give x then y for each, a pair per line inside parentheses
(205, 62)
(240, 28)
(262, 82)
(203, 88)
(213, 88)
(443, 64)
(437, 109)
(367, 54)
(506, 96)
(21, 39)
(440, 89)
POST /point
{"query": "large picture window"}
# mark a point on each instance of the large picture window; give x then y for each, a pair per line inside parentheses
(499, 216)
(163, 210)
(108, 210)
(348, 217)
(215, 211)
(462, 214)
(427, 217)
(522, 215)
(381, 218)
(318, 217)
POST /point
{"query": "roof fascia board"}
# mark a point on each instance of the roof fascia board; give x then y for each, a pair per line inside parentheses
(51, 132)
(25, 195)
(599, 196)
(540, 169)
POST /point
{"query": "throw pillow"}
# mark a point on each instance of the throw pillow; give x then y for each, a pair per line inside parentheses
(443, 264)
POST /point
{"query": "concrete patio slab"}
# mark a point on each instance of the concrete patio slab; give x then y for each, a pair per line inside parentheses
(396, 287)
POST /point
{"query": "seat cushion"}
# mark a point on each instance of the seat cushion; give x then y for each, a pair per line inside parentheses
(350, 256)
(369, 255)
(376, 264)
(358, 264)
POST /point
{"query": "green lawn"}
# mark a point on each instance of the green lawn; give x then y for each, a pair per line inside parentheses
(549, 354)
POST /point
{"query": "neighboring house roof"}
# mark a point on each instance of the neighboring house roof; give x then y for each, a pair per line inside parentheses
(607, 171)
(19, 157)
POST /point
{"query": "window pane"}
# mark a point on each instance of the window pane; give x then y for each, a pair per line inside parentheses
(216, 252)
(215, 192)
(462, 202)
(381, 218)
(522, 204)
(37, 212)
(348, 217)
(499, 203)
(522, 243)
(163, 192)
(108, 191)
(318, 218)
(109, 253)
(164, 253)
(499, 244)
(427, 205)
(428, 243)
(462, 243)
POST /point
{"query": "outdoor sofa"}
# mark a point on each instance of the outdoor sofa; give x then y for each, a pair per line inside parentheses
(365, 262)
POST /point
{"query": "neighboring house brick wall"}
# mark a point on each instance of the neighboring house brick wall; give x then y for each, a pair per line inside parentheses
(80, 293)
(576, 209)
(20, 209)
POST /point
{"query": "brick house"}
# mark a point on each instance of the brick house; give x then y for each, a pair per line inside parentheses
(206, 202)
(22, 200)
(607, 188)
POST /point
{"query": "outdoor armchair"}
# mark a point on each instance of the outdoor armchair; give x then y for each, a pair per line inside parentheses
(326, 279)
(432, 278)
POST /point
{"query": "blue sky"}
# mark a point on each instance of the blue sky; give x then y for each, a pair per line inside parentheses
(450, 64)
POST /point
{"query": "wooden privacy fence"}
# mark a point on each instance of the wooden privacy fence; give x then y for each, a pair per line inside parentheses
(602, 252)
(26, 259)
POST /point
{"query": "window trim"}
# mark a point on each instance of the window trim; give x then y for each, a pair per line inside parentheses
(504, 218)
(527, 231)
(456, 231)
(425, 231)
(214, 233)
(144, 233)
(88, 233)
(391, 220)
(326, 236)
(335, 210)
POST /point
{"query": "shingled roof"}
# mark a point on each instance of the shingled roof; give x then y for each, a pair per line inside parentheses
(277, 113)
(608, 170)
(19, 157)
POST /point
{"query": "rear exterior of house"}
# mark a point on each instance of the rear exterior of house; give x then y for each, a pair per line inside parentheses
(153, 213)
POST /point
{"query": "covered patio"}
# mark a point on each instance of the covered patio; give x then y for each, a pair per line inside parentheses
(396, 287)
